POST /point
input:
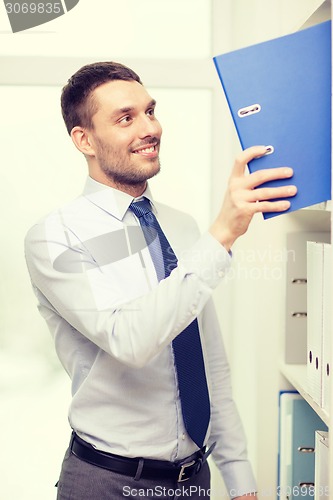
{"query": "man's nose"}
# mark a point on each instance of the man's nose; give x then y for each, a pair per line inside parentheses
(149, 126)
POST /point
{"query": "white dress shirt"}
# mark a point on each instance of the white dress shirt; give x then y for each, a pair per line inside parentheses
(113, 323)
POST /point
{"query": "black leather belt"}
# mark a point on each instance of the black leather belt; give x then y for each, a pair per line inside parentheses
(140, 467)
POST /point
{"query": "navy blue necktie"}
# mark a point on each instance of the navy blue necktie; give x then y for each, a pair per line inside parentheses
(187, 349)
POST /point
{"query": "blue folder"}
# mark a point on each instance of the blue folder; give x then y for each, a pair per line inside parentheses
(297, 427)
(279, 94)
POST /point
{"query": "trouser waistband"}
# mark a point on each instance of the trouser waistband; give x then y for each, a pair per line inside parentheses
(140, 467)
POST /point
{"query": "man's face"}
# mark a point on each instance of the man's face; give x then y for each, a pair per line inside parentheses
(126, 135)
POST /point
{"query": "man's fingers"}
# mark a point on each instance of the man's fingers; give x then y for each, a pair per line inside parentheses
(271, 206)
(265, 194)
(269, 174)
(259, 177)
(250, 194)
(245, 157)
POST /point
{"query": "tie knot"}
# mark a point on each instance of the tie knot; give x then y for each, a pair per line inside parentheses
(140, 208)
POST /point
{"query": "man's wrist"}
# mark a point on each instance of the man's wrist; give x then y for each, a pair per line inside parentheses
(222, 235)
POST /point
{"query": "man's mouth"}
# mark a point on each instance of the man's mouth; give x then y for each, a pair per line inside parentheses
(146, 150)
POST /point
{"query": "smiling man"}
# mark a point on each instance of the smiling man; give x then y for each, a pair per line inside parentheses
(124, 284)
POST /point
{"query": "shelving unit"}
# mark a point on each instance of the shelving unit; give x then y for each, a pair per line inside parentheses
(318, 217)
(253, 308)
(296, 376)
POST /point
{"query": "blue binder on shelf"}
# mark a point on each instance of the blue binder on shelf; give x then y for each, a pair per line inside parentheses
(298, 424)
(279, 95)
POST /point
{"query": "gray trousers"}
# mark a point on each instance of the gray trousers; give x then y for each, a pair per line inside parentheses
(81, 481)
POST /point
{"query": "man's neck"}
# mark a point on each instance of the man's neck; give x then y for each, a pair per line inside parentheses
(134, 190)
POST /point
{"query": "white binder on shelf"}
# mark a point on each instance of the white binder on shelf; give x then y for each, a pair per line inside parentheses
(327, 327)
(315, 263)
(322, 466)
(295, 348)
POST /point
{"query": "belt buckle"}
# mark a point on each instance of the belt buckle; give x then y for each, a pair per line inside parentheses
(182, 471)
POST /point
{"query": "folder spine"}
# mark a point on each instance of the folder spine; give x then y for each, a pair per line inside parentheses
(231, 108)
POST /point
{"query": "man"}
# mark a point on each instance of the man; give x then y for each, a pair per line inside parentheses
(118, 309)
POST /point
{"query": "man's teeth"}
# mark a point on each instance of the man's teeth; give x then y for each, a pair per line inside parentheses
(146, 150)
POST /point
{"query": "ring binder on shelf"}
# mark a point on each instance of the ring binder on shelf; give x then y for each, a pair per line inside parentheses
(322, 471)
(296, 294)
(298, 424)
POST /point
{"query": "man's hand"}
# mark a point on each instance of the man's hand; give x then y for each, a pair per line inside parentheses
(242, 200)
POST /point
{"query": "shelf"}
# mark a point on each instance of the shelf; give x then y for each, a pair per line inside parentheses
(313, 218)
(296, 376)
(325, 206)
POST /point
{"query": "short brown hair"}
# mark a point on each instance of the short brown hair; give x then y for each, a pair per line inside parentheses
(76, 104)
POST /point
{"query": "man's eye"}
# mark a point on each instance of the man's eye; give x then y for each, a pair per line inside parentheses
(125, 119)
(151, 112)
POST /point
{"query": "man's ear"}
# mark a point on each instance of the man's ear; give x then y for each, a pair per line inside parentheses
(81, 138)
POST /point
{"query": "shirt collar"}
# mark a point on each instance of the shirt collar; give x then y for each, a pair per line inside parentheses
(111, 200)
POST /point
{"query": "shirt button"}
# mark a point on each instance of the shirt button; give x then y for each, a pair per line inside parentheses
(221, 274)
(183, 437)
(194, 312)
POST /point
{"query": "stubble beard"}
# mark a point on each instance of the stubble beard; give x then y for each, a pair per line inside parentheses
(132, 175)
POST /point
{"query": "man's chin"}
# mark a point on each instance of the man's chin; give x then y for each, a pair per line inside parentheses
(136, 176)
(155, 171)
(150, 172)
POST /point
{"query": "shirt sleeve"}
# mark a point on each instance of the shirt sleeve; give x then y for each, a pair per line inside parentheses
(132, 330)
(230, 452)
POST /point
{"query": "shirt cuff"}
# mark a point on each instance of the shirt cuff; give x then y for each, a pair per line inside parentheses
(207, 259)
(238, 478)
